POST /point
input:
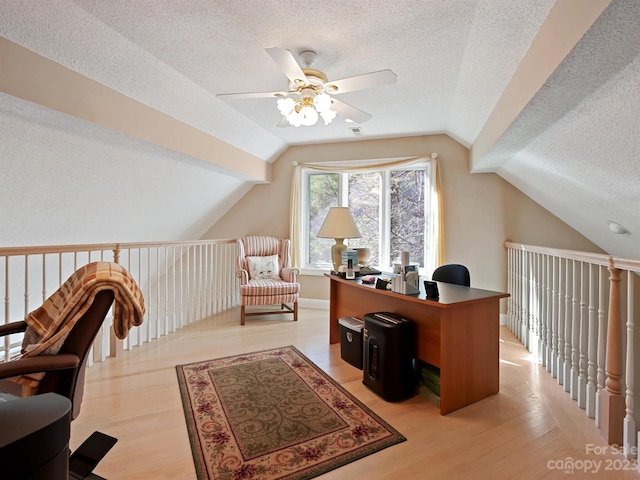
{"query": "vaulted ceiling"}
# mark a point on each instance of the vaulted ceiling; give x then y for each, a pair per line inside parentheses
(545, 93)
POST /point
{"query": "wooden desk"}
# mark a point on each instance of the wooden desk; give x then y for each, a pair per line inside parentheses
(459, 333)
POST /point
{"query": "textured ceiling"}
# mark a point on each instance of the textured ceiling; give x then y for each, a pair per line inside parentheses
(574, 148)
(453, 58)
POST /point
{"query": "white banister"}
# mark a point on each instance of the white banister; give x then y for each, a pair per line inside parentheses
(567, 309)
(176, 279)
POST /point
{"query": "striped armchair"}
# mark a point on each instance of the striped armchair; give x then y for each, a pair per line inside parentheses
(266, 276)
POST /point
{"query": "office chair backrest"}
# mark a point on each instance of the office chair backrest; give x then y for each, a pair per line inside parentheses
(452, 273)
(70, 382)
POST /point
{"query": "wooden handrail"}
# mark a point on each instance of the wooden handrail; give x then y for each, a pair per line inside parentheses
(48, 249)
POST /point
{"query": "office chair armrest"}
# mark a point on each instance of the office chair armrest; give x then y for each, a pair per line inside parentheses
(13, 327)
(289, 274)
(40, 363)
(243, 275)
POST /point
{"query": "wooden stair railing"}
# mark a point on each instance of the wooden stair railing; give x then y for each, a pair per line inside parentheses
(564, 309)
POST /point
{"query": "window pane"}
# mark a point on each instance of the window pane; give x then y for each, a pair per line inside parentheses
(364, 203)
(323, 194)
(407, 214)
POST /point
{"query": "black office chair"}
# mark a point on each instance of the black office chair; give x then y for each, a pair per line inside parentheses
(452, 273)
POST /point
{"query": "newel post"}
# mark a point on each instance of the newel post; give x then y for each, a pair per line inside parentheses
(612, 402)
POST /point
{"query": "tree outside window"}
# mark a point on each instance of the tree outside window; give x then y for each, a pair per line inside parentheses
(389, 207)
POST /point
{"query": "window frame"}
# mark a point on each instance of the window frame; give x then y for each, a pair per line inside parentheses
(385, 209)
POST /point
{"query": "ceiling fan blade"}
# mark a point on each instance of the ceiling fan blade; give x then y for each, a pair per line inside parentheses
(284, 59)
(360, 82)
(349, 112)
(252, 95)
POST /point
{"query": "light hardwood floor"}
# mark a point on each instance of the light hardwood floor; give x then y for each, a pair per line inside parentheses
(530, 430)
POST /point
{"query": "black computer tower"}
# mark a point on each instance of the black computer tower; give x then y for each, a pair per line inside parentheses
(389, 346)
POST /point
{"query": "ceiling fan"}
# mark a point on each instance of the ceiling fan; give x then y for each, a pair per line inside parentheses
(311, 95)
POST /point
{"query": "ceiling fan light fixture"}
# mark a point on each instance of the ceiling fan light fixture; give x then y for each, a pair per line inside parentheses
(322, 102)
(328, 116)
(309, 87)
(286, 105)
(308, 116)
(306, 109)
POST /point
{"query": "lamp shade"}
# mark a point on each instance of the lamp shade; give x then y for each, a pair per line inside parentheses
(339, 223)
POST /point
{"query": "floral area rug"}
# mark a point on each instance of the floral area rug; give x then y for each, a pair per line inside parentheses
(274, 415)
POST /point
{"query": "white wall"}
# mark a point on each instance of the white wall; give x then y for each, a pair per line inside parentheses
(88, 184)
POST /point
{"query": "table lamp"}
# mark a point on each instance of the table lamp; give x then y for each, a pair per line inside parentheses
(338, 224)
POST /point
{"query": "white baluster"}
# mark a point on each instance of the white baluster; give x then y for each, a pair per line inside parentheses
(525, 299)
(7, 308)
(26, 285)
(561, 320)
(148, 323)
(590, 407)
(534, 324)
(510, 289)
(518, 295)
(529, 303)
(602, 343)
(629, 425)
(165, 280)
(44, 278)
(575, 331)
(584, 337)
(568, 322)
(554, 317)
(548, 304)
(542, 312)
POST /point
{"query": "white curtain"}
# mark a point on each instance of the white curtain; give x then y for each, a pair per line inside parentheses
(435, 230)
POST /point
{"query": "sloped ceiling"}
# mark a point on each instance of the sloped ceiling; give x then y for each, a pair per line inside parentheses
(545, 94)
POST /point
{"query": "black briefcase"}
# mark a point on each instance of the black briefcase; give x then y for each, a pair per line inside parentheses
(389, 345)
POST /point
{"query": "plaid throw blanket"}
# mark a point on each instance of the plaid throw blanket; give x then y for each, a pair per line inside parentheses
(50, 323)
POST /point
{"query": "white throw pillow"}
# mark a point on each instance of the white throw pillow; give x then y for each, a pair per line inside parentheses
(262, 268)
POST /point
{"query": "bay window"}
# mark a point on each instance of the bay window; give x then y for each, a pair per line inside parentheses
(395, 209)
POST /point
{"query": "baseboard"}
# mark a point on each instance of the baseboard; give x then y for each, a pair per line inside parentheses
(316, 303)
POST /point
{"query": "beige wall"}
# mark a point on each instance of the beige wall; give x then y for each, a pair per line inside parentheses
(481, 210)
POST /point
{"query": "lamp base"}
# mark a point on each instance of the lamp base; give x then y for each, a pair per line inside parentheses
(336, 253)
